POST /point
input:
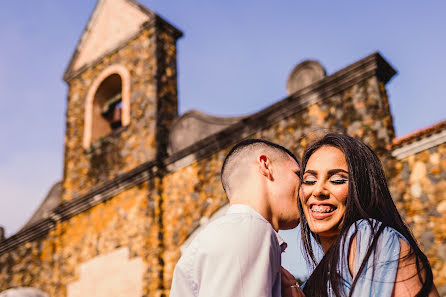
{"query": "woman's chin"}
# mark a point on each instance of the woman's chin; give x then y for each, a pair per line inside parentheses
(324, 229)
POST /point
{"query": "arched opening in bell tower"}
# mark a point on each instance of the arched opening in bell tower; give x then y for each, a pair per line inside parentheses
(107, 107)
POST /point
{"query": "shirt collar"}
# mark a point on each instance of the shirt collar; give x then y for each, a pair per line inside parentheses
(243, 208)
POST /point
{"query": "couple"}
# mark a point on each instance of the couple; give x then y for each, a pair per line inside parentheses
(345, 209)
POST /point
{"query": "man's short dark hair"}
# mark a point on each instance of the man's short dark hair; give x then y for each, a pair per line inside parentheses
(242, 147)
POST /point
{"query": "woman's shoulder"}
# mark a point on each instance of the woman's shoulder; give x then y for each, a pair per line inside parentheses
(376, 246)
(365, 229)
(367, 232)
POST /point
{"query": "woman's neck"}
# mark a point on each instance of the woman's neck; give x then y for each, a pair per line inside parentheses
(327, 242)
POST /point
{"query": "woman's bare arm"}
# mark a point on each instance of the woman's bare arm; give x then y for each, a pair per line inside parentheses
(407, 282)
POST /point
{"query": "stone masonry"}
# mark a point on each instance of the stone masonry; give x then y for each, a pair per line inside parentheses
(418, 184)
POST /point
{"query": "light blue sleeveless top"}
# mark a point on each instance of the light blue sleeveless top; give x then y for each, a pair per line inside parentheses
(378, 276)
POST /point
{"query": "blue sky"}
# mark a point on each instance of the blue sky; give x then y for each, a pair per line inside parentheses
(234, 59)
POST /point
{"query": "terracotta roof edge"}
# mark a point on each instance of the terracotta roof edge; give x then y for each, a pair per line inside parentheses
(418, 134)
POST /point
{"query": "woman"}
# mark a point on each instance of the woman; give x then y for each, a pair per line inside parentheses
(347, 208)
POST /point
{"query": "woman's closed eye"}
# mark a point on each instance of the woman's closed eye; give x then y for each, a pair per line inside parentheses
(338, 180)
(309, 180)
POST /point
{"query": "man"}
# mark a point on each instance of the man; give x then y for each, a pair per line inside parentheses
(238, 255)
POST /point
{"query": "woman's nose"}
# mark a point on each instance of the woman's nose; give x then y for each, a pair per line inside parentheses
(319, 190)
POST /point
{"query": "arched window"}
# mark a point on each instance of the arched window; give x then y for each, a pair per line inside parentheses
(107, 106)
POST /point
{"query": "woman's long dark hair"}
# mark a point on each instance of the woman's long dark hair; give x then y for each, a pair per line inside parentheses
(368, 198)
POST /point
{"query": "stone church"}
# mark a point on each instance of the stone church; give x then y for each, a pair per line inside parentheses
(139, 178)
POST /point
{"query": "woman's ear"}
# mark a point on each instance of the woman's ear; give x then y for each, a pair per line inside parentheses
(265, 167)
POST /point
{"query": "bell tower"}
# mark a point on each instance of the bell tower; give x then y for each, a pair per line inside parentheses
(122, 94)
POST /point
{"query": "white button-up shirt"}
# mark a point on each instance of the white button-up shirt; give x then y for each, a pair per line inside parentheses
(237, 255)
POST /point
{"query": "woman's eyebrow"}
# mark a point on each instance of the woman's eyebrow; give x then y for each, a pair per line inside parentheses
(334, 171)
(310, 172)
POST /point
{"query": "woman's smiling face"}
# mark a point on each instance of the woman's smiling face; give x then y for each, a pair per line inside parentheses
(325, 191)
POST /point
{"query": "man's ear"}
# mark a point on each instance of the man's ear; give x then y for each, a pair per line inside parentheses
(265, 167)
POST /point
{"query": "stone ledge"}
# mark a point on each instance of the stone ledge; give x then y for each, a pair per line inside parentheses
(81, 203)
(419, 145)
(35, 231)
(321, 90)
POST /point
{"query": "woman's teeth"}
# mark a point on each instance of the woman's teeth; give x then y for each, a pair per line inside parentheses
(322, 208)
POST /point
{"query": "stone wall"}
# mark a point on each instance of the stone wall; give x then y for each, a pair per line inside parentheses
(419, 189)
